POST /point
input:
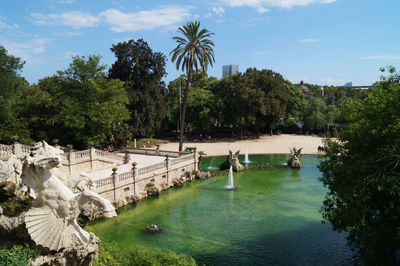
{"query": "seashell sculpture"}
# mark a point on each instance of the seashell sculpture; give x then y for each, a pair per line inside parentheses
(294, 162)
(51, 222)
(233, 159)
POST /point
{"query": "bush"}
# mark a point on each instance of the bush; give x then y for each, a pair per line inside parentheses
(18, 255)
(111, 254)
(150, 185)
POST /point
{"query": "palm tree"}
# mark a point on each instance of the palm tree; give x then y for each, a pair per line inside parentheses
(194, 51)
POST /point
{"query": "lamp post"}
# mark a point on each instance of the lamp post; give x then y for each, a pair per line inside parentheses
(180, 96)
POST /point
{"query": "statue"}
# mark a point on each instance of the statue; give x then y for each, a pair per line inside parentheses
(12, 166)
(51, 220)
(233, 160)
(294, 162)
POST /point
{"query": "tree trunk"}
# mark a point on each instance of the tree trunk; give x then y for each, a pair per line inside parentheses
(185, 100)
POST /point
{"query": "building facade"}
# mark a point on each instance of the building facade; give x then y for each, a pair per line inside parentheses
(229, 70)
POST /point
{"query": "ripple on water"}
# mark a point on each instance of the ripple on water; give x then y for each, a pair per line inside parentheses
(272, 218)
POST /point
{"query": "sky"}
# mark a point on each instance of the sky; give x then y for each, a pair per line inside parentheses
(326, 42)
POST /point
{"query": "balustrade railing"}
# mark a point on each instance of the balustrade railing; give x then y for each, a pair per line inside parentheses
(6, 150)
(144, 170)
(26, 149)
(80, 156)
(104, 182)
(109, 155)
(125, 176)
(182, 159)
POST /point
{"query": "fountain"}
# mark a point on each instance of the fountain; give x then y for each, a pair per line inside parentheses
(246, 156)
(230, 185)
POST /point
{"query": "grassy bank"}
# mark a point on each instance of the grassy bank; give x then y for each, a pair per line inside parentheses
(111, 254)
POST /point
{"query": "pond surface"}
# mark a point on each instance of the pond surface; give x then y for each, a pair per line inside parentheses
(271, 218)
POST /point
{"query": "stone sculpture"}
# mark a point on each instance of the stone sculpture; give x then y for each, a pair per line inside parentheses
(51, 220)
(294, 162)
(233, 160)
(10, 170)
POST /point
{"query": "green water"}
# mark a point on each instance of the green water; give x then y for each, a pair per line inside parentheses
(271, 218)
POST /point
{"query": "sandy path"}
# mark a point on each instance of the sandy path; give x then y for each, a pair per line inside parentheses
(264, 144)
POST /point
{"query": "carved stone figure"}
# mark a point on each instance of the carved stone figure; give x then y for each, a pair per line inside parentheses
(51, 220)
(294, 162)
(56, 207)
(10, 170)
(233, 160)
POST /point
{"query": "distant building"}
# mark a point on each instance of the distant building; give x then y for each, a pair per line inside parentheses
(322, 91)
(349, 84)
(306, 91)
(229, 70)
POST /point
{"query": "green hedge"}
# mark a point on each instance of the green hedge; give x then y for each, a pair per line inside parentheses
(18, 255)
(111, 254)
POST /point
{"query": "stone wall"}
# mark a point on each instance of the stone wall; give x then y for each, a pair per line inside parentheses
(121, 186)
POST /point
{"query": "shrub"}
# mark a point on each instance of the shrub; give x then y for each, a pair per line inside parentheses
(150, 185)
(111, 254)
(18, 255)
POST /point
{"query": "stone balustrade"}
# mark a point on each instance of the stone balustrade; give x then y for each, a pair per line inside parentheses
(156, 152)
(120, 186)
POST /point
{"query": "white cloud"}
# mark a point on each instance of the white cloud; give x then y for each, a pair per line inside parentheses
(65, 1)
(309, 40)
(381, 57)
(260, 5)
(75, 19)
(4, 25)
(68, 33)
(218, 10)
(29, 50)
(260, 52)
(145, 20)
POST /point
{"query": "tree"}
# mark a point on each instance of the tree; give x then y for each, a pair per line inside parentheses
(203, 107)
(276, 96)
(11, 89)
(242, 103)
(194, 50)
(142, 71)
(362, 173)
(78, 106)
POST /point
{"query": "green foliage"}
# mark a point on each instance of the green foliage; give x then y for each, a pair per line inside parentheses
(362, 173)
(150, 185)
(11, 90)
(203, 108)
(11, 203)
(18, 255)
(193, 52)
(318, 114)
(79, 105)
(111, 254)
(142, 71)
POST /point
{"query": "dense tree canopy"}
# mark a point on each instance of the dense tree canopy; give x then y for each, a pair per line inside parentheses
(11, 90)
(142, 71)
(79, 106)
(362, 173)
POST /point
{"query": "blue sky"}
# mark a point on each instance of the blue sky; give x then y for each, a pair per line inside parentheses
(327, 42)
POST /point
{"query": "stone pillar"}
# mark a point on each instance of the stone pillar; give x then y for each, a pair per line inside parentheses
(115, 181)
(134, 171)
(167, 166)
(71, 161)
(92, 153)
(17, 150)
(195, 156)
